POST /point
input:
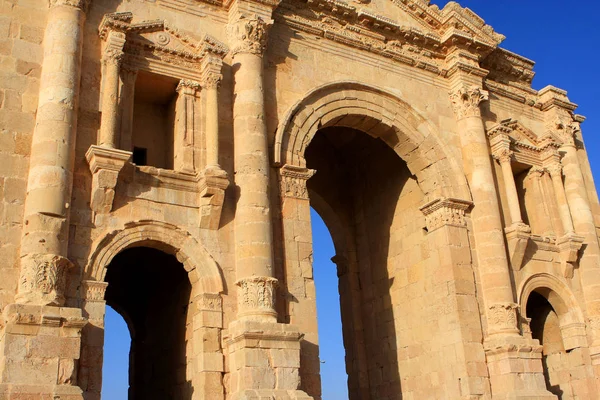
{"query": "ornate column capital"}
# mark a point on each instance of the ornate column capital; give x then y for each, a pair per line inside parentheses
(293, 181)
(504, 156)
(466, 99)
(535, 172)
(113, 57)
(93, 291)
(42, 279)
(256, 296)
(188, 87)
(503, 318)
(445, 211)
(211, 72)
(248, 34)
(554, 169)
(83, 5)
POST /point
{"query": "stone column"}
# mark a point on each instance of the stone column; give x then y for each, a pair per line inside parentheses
(514, 362)
(583, 221)
(253, 230)
(185, 126)
(128, 76)
(500, 308)
(40, 346)
(211, 79)
(555, 170)
(505, 157)
(49, 186)
(111, 63)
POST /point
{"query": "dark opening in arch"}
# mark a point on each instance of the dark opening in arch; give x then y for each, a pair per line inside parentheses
(151, 290)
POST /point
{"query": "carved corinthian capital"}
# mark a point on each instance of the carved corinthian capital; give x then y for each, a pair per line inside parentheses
(465, 101)
(293, 181)
(42, 279)
(445, 211)
(502, 318)
(81, 4)
(248, 35)
(256, 296)
(503, 156)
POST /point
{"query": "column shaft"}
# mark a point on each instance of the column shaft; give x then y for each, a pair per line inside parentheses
(109, 123)
(46, 217)
(253, 225)
(583, 221)
(212, 127)
(487, 225)
(561, 199)
(127, 103)
(511, 190)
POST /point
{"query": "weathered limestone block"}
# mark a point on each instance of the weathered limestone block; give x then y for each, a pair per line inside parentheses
(264, 360)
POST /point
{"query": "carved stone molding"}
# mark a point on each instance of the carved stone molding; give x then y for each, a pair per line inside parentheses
(211, 72)
(342, 265)
(502, 318)
(212, 195)
(83, 5)
(568, 247)
(209, 302)
(42, 279)
(445, 211)
(466, 100)
(292, 181)
(93, 290)
(105, 165)
(249, 35)
(256, 296)
(187, 87)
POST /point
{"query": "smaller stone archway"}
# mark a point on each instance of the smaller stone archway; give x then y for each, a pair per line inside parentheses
(554, 318)
(148, 242)
(562, 300)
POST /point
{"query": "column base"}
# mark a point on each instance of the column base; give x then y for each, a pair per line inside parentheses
(264, 361)
(515, 368)
(39, 352)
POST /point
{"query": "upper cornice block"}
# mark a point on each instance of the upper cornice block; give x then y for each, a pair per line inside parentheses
(551, 96)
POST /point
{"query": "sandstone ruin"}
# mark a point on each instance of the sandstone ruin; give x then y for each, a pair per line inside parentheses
(162, 156)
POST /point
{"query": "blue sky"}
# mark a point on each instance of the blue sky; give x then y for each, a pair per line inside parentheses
(561, 37)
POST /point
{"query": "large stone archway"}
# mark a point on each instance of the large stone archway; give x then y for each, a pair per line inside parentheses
(435, 196)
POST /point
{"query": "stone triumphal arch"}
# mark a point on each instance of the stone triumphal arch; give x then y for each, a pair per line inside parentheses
(165, 157)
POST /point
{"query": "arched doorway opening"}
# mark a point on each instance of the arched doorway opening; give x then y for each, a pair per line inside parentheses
(545, 326)
(115, 360)
(332, 353)
(367, 197)
(151, 290)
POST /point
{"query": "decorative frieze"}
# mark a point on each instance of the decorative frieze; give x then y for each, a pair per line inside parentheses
(42, 279)
(466, 100)
(80, 4)
(292, 181)
(248, 34)
(93, 291)
(256, 296)
(209, 302)
(445, 211)
(502, 318)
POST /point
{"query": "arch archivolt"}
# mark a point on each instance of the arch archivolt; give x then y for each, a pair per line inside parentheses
(203, 271)
(381, 115)
(562, 300)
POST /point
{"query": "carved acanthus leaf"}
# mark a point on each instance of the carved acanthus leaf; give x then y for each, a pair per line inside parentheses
(465, 101)
(249, 35)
